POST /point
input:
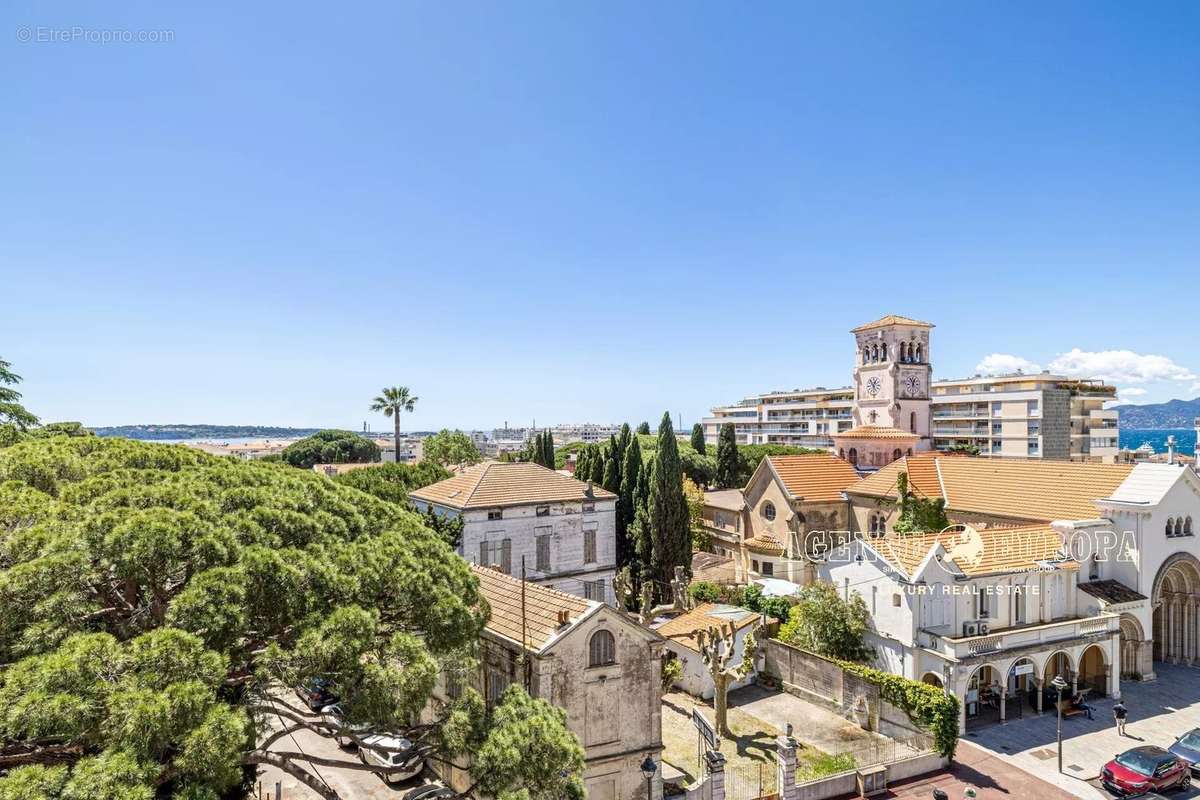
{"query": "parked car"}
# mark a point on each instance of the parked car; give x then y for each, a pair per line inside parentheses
(397, 758)
(334, 716)
(316, 693)
(430, 791)
(1145, 769)
(1187, 747)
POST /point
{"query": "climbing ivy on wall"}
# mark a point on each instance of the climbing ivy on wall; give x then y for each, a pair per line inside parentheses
(928, 706)
(918, 515)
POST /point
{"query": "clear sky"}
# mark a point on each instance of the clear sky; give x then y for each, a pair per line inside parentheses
(588, 210)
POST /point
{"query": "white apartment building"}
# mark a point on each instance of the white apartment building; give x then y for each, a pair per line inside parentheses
(586, 432)
(1027, 416)
(563, 530)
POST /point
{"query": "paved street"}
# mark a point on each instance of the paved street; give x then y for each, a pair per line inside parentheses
(1159, 711)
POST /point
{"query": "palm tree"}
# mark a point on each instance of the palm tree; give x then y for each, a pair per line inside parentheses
(392, 401)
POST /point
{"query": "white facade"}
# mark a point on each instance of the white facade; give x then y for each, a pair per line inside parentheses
(924, 627)
(567, 545)
(695, 679)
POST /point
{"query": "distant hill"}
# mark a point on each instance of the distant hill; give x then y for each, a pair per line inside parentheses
(1160, 416)
(204, 432)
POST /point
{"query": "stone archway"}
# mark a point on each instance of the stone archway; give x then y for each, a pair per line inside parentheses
(1134, 648)
(1093, 670)
(1176, 604)
(933, 679)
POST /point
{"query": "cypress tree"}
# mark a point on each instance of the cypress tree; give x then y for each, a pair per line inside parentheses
(667, 509)
(727, 458)
(626, 502)
(581, 465)
(598, 465)
(698, 439)
(612, 471)
(548, 453)
(644, 428)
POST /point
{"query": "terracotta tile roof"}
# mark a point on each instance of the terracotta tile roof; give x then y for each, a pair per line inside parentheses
(542, 607)
(683, 629)
(819, 477)
(922, 477)
(765, 542)
(494, 484)
(727, 499)
(891, 319)
(1019, 489)
(976, 552)
(875, 432)
(1111, 592)
(1031, 489)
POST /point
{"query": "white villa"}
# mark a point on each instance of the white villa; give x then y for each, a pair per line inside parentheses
(563, 529)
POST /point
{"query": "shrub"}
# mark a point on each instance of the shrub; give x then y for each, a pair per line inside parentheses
(704, 592)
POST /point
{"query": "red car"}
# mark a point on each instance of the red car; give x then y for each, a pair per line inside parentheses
(1145, 769)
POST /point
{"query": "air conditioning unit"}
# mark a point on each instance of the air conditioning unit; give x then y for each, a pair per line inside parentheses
(983, 628)
(872, 780)
(970, 629)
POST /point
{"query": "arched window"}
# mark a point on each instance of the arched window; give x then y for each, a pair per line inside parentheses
(908, 351)
(853, 456)
(602, 650)
(912, 421)
(910, 451)
(1187, 527)
(918, 356)
(768, 511)
(883, 351)
(897, 454)
(841, 452)
(874, 352)
(1171, 527)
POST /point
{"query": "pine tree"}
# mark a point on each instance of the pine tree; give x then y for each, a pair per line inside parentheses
(727, 458)
(626, 502)
(698, 439)
(644, 428)
(667, 510)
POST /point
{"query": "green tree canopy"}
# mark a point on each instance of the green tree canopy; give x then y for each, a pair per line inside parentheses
(450, 447)
(12, 412)
(644, 429)
(669, 520)
(821, 621)
(159, 601)
(331, 447)
(698, 443)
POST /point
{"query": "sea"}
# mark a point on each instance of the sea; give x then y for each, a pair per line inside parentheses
(1185, 439)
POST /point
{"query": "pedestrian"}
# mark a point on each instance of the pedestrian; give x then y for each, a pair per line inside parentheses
(1119, 714)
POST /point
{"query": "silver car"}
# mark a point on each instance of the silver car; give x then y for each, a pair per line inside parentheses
(397, 758)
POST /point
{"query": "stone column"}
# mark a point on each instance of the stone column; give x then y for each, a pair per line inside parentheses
(1037, 683)
(1003, 700)
(785, 752)
(715, 763)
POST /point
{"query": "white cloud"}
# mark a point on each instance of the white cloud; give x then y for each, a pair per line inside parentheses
(1127, 395)
(1003, 363)
(1121, 367)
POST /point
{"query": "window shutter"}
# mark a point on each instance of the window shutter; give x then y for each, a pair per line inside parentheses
(483, 554)
(506, 556)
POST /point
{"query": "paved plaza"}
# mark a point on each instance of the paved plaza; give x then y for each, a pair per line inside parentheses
(1159, 711)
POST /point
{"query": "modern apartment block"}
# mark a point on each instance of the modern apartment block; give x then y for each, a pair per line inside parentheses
(1040, 415)
(1030, 416)
(589, 432)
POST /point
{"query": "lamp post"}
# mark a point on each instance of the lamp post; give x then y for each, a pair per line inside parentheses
(648, 769)
(1059, 684)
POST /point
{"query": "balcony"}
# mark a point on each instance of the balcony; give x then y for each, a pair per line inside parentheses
(1042, 634)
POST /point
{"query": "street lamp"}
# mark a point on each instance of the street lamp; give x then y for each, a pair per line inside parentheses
(1059, 684)
(648, 769)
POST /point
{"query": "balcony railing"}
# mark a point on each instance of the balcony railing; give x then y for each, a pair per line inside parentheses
(1045, 633)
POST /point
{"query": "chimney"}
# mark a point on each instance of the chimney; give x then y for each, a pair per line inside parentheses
(564, 617)
(1171, 449)
(591, 490)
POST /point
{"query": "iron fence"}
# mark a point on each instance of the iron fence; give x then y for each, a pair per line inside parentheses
(758, 781)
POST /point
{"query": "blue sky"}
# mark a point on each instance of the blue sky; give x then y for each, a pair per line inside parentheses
(585, 211)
